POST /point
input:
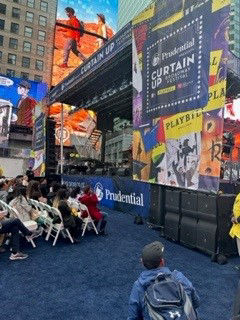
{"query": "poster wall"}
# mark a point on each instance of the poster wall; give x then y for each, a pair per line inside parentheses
(180, 51)
(22, 96)
(38, 156)
(73, 47)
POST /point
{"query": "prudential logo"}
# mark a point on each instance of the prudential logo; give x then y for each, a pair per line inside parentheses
(99, 191)
(131, 198)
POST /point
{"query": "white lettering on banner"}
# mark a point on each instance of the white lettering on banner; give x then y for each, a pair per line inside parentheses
(173, 67)
(131, 198)
(175, 51)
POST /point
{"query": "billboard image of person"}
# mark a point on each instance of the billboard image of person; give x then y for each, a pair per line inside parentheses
(74, 42)
(22, 96)
(26, 105)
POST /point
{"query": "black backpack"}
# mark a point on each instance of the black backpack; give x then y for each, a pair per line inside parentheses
(166, 299)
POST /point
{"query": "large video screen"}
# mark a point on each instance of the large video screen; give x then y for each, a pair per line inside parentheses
(72, 47)
(22, 96)
(78, 125)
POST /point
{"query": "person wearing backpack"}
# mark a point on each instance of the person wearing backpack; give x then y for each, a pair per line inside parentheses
(160, 294)
(72, 37)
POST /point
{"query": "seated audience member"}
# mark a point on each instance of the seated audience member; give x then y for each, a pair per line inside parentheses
(14, 226)
(73, 199)
(90, 200)
(30, 174)
(153, 261)
(3, 190)
(71, 222)
(24, 209)
(44, 192)
(53, 192)
(25, 181)
(33, 191)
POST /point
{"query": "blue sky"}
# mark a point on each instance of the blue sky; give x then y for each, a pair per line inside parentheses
(86, 10)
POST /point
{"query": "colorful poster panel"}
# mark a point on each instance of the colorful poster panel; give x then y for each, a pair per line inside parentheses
(180, 53)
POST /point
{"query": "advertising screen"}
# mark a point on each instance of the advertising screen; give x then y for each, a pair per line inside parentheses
(77, 124)
(22, 96)
(72, 47)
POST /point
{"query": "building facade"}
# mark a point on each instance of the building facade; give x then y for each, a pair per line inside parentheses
(128, 9)
(26, 38)
(234, 30)
(117, 144)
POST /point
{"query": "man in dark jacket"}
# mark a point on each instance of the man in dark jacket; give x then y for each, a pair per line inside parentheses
(152, 259)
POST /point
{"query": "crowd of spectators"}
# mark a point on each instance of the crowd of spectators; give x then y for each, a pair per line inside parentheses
(19, 192)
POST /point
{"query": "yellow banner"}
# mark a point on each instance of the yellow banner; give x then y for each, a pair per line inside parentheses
(219, 4)
(177, 16)
(217, 94)
(145, 15)
(215, 59)
(160, 149)
(166, 90)
(182, 124)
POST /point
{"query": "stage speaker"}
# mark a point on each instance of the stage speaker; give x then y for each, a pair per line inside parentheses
(173, 214)
(157, 207)
(123, 172)
(225, 244)
(51, 162)
(207, 223)
(188, 224)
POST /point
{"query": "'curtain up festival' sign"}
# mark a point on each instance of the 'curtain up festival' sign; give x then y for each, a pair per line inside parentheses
(180, 53)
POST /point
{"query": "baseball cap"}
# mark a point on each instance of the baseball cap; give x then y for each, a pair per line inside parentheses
(25, 84)
(152, 254)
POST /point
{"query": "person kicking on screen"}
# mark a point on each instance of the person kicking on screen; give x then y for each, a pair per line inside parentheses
(72, 37)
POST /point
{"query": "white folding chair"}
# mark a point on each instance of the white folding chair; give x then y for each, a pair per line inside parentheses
(55, 229)
(88, 221)
(30, 224)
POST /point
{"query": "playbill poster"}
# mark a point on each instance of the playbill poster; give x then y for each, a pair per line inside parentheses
(180, 50)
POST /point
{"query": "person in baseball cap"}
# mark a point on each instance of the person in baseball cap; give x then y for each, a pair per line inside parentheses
(153, 260)
(26, 105)
(25, 84)
(152, 255)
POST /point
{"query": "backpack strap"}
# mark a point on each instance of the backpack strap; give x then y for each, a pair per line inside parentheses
(188, 307)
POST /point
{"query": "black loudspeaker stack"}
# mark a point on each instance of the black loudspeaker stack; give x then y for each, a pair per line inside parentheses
(225, 244)
(207, 223)
(173, 214)
(51, 162)
(157, 206)
(188, 228)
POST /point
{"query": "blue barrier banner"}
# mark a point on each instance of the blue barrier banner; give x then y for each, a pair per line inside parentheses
(132, 196)
(117, 193)
(101, 186)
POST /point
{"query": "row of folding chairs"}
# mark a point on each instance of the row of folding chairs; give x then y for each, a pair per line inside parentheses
(54, 229)
(30, 224)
